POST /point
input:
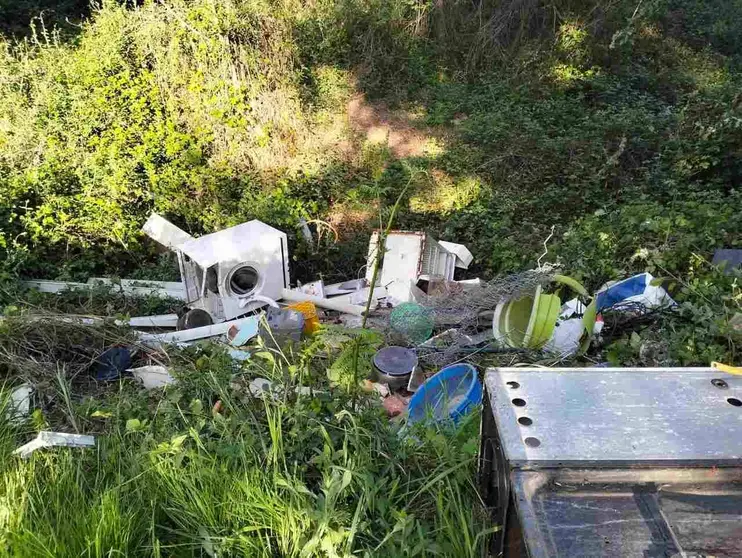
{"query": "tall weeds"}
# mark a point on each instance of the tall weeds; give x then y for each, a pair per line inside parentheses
(289, 475)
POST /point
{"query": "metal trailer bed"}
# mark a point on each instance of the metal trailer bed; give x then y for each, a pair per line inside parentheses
(598, 462)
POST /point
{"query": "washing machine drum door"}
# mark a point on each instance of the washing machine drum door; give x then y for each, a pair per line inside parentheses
(244, 280)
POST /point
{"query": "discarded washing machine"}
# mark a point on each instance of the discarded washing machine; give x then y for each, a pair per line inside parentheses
(230, 272)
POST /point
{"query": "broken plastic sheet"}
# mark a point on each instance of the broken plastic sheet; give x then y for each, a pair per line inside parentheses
(245, 332)
(570, 329)
(463, 256)
(152, 376)
(47, 439)
(637, 290)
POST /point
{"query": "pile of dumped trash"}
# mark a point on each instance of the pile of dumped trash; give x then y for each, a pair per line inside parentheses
(235, 286)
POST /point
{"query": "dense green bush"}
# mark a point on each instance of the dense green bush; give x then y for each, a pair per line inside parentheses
(618, 125)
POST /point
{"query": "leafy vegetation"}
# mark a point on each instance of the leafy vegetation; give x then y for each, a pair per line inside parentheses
(204, 468)
(616, 125)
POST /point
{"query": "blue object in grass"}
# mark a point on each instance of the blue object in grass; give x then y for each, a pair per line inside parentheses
(112, 364)
(446, 397)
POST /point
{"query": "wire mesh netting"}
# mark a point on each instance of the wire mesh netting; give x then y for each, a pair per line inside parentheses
(461, 308)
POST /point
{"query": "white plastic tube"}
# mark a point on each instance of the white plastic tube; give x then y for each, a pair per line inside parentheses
(330, 304)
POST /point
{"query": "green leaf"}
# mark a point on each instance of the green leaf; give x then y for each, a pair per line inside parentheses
(196, 407)
(573, 284)
(635, 342)
(133, 425)
(347, 478)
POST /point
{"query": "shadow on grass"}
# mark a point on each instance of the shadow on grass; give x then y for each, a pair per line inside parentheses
(17, 16)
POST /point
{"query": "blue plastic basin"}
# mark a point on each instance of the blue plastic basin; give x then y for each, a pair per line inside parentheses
(449, 395)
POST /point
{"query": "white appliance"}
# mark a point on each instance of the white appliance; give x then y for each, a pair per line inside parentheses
(408, 257)
(229, 272)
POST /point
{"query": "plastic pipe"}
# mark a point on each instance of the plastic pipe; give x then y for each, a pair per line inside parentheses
(345, 308)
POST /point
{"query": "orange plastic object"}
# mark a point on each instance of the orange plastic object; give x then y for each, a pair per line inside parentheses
(309, 310)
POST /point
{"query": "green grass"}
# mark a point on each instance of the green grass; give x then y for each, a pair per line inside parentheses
(320, 475)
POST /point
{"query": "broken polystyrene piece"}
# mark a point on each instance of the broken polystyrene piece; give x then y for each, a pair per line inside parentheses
(463, 256)
(177, 337)
(47, 439)
(634, 290)
(152, 376)
(20, 403)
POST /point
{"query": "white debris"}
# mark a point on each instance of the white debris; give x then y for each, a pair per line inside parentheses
(152, 376)
(131, 288)
(20, 403)
(163, 231)
(260, 387)
(407, 257)
(463, 256)
(160, 320)
(245, 331)
(230, 272)
(176, 337)
(381, 389)
(360, 297)
(346, 287)
(565, 341)
(328, 303)
(47, 439)
(315, 288)
(238, 355)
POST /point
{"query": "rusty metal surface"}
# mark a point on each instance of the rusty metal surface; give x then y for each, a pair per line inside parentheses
(646, 513)
(617, 417)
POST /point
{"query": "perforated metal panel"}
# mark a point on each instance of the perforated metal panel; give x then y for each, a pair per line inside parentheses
(606, 417)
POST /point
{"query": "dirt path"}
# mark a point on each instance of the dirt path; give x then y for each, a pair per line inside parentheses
(376, 123)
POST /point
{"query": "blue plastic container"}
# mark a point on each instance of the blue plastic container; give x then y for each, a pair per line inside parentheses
(446, 397)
